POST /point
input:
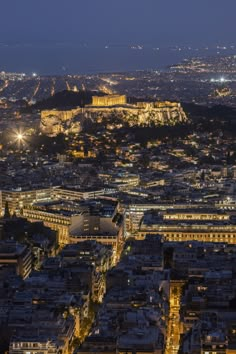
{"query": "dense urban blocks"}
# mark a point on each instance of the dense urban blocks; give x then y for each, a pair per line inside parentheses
(118, 225)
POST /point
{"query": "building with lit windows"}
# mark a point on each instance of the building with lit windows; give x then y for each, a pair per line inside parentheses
(57, 222)
(49, 337)
(16, 199)
(186, 225)
(75, 222)
(77, 194)
(135, 212)
(41, 345)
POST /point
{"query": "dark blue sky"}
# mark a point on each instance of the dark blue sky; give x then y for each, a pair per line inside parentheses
(125, 21)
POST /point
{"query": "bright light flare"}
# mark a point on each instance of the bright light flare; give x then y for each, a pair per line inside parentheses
(20, 136)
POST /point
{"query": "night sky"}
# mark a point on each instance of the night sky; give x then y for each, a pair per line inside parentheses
(119, 22)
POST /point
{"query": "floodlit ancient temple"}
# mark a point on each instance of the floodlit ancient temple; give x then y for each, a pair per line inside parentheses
(54, 122)
(109, 100)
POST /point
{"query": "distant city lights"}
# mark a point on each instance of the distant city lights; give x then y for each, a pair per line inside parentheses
(221, 80)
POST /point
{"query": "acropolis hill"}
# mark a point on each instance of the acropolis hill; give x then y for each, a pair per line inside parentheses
(55, 121)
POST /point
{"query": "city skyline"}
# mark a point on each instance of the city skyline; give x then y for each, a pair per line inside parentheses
(118, 177)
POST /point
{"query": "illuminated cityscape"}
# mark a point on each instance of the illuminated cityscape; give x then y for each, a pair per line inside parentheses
(118, 177)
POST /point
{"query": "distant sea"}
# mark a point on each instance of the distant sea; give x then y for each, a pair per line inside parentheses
(62, 59)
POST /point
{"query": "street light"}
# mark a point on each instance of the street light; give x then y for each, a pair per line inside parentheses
(20, 136)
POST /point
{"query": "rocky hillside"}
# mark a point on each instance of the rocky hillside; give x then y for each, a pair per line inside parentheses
(54, 121)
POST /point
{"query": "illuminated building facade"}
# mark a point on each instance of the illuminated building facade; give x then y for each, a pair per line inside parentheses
(187, 225)
(56, 338)
(16, 199)
(109, 100)
(36, 345)
(75, 223)
(135, 212)
(75, 194)
(57, 222)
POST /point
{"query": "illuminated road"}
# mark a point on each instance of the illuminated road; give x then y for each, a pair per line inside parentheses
(173, 335)
(53, 87)
(5, 85)
(106, 89)
(68, 86)
(36, 89)
(174, 329)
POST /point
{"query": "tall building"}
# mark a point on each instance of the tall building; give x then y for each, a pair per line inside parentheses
(16, 255)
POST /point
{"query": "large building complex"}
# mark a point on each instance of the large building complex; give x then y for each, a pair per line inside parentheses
(75, 222)
(186, 225)
(17, 199)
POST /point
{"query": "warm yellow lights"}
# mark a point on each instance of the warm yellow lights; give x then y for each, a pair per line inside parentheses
(20, 136)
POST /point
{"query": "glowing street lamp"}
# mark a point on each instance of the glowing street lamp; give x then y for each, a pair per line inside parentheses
(20, 136)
